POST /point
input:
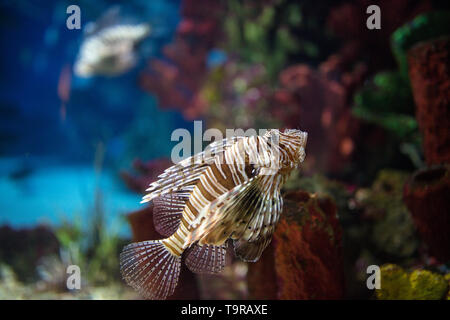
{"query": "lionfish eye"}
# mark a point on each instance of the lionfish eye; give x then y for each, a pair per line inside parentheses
(253, 170)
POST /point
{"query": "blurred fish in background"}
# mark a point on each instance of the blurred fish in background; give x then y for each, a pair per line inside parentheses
(109, 47)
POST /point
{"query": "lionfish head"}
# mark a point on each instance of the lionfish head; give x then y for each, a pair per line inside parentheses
(293, 142)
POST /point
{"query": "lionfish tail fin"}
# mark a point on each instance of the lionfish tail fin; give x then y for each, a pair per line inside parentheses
(150, 268)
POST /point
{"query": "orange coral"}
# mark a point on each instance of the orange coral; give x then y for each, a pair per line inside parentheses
(304, 260)
(426, 196)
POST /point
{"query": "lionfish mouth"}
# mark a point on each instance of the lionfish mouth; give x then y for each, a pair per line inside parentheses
(302, 136)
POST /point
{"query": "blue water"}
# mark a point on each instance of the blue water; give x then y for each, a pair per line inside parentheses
(53, 194)
(47, 172)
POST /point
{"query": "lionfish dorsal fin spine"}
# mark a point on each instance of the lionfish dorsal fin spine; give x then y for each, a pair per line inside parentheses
(188, 171)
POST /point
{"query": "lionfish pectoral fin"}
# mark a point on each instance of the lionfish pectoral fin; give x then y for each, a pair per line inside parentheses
(227, 215)
(150, 268)
(248, 213)
(255, 239)
(251, 251)
(167, 212)
(207, 259)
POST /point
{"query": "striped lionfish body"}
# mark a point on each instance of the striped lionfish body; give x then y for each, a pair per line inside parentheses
(232, 190)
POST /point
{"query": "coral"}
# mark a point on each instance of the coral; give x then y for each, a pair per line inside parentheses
(447, 277)
(424, 27)
(304, 260)
(348, 20)
(430, 80)
(387, 102)
(308, 97)
(397, 284)
(237, 96)
(392, 229)
(275, 33)
(176, 79)
(377, 227)
(324, 187)
(426, 285)
(394, 283)
(262, 281)
(147, 173)
(426, 196)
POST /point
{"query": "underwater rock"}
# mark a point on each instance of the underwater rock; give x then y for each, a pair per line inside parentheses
(22, 249)
(397, 284)
(11, 288)
(148, 172)
(426, 196)
(143, 228)
(304, 260)
(429, 63)
(142, 225)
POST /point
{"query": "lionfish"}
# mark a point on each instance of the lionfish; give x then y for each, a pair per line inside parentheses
(231, 190)
(109, 47)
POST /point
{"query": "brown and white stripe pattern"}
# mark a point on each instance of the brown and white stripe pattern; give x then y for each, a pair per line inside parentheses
(232, 190)
(234, 166)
